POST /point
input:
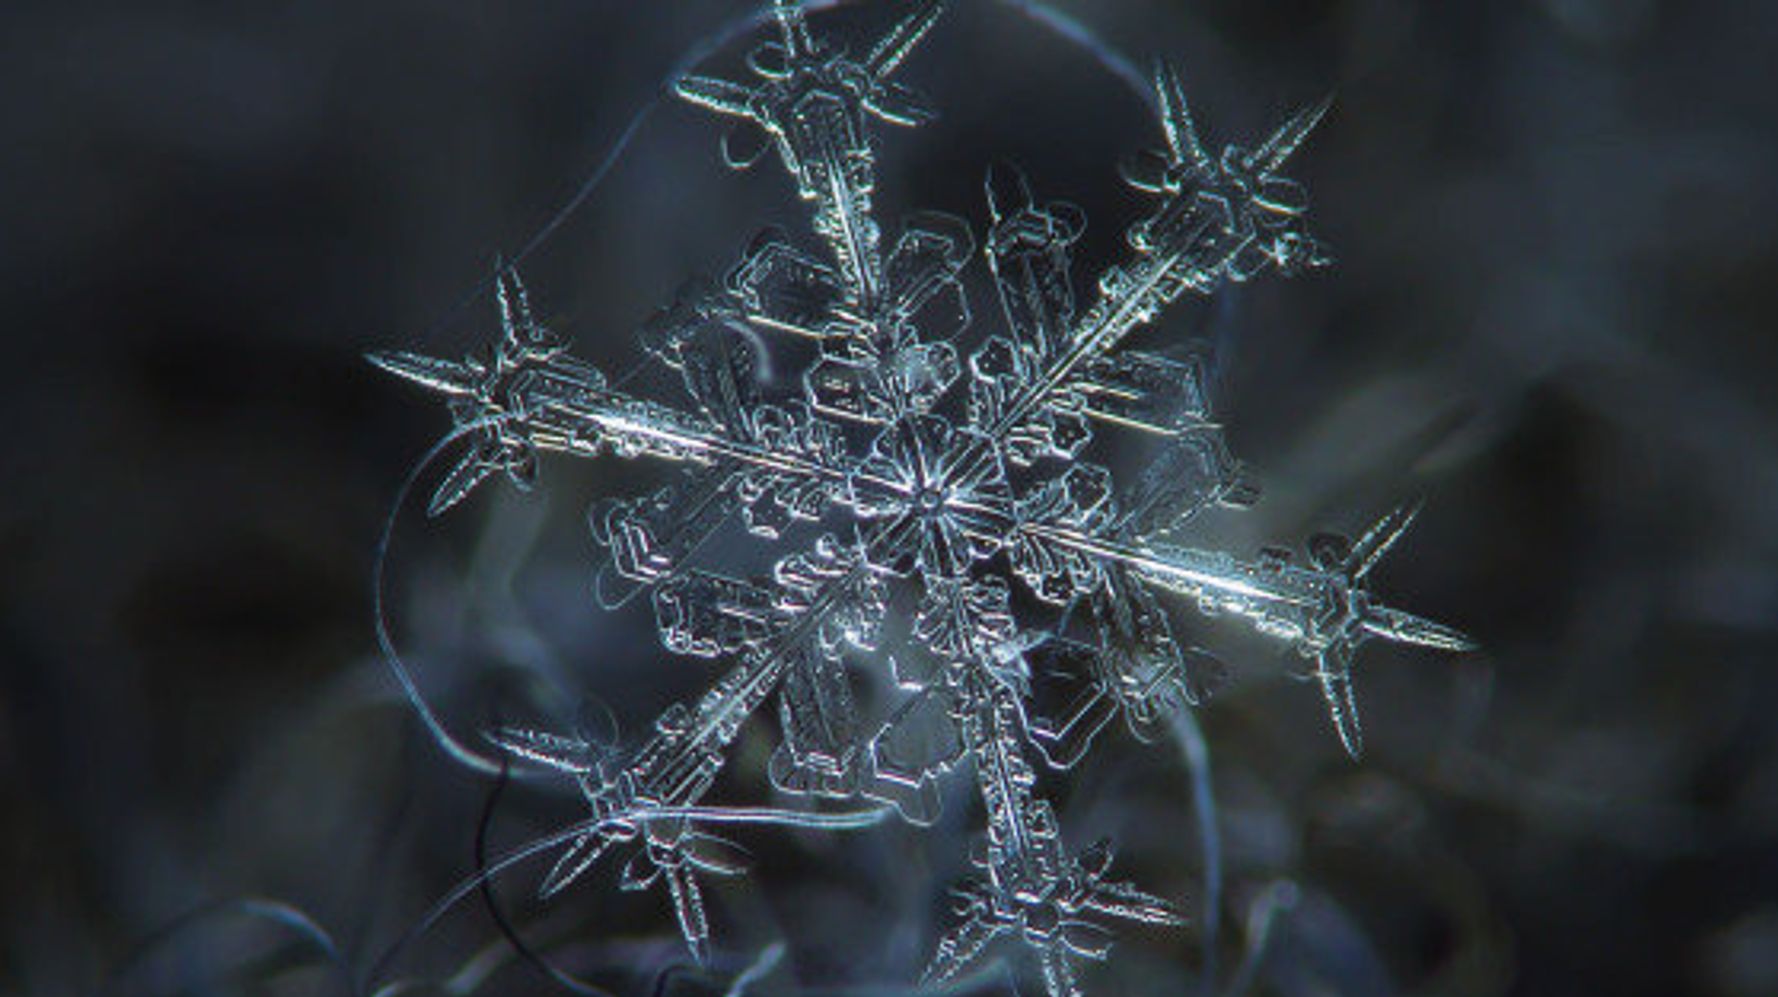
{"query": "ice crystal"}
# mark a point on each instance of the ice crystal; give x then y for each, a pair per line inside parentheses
(962, 476)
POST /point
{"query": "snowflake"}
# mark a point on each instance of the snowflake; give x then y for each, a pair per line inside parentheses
(958, 478)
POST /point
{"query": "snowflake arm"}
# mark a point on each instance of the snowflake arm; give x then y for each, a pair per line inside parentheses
(1218, 220)
(1323, 608)
(812, 102)
(787, 636)
(1033, 889)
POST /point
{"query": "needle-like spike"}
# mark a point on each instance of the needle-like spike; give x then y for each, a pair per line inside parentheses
(639, 873)
(576, 860)
(898, 105)
(516, 323)
(793, 24)
(958, 948)
(893, 48)
(688, 906)
(1008, 191)
(567, 754)
(1278, 148)
(445, 376)
(1123, 900)
(717, 856)
(1335, 673)
(1406, 628)
(472, 470)
(720, 96)
(1377, 540)
(1176, 119)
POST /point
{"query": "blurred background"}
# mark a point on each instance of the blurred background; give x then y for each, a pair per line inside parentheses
(1553, 315)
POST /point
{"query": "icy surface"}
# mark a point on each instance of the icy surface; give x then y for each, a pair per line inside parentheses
(963, 476)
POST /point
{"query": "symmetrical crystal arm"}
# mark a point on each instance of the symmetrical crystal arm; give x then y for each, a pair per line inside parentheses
(679, 762)
(541, 398)
(1221, 219)
(1322, 608)
(1033, 889)
(1313, 606)
(564, 405)
(813, 103)
(1024, 841)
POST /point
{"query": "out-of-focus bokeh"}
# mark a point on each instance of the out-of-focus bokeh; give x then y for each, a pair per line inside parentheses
(1554, 315)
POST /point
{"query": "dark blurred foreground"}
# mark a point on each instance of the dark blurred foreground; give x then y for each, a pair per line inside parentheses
(1553, 314)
